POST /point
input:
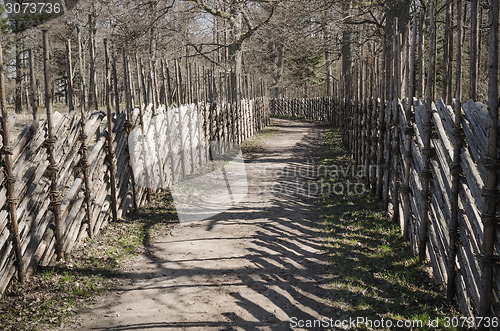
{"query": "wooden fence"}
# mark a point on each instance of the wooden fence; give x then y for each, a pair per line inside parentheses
(70, 174)
(311, 109)
(434, 166)
(367, 139)
(29, 153)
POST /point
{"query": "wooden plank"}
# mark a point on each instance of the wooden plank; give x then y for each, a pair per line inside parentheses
(472, 176)
(446, 115)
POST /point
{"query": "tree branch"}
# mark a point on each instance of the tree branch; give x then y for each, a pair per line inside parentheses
(252, 30)
(204, 54)
(210, 10)
(163, 12)
(247, 20)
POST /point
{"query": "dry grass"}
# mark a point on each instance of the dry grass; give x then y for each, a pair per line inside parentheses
(55, 294)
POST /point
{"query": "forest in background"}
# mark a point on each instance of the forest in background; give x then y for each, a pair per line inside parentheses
(297, 47)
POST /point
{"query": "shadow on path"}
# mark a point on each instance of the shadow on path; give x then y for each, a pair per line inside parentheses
(255, 266)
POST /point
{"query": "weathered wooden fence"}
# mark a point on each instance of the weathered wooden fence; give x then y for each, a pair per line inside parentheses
(70, 174)
(29, 153)
(434, 166)
(368, 138)
(312, 109)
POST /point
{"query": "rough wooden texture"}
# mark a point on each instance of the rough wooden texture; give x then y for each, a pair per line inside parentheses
(33, 184)
(471, 205)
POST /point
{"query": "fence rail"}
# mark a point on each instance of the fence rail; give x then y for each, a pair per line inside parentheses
(367, 137)
(220, 121)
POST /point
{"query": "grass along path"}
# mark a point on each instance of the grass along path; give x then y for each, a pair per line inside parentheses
(55, 294)
(374, 274)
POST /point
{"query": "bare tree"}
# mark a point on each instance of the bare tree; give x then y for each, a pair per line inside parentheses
(242, 17)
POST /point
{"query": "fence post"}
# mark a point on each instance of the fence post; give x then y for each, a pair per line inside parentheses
(373, 132)
(144, 86)
(69, 73)
(138, 78)
(85, 170)
(33, 98)
(199, 119)
(359, 113)
(473, 49)
(409, 132)
(354, 126)
(455, 167)
(9, 176)
(382, 127)
(490, 191)
(164, 94)
(428, 151)
(421, 62)
(151, 85)
(128, 126)
(396, 151)
(388, 96)
(55, 196)
(169, 85)
(80, 63)
(368, 126)
(93, 84)
(181, 131)
(446, 49)
(115, 84)
(111, 153)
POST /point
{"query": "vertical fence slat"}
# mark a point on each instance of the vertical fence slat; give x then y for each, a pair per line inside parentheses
(490, 162)
(111, 150)
(426, 172)
(455, 167)
(11, 180)
(55, 196)
(405, 188)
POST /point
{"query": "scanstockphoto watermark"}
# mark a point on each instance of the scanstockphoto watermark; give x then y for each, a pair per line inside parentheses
(208, 177)
(170, 150)
(361, 322)
(455, 322)
(309, 179)
(313, 189)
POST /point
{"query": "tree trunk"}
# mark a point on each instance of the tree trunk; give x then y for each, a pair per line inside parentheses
(473, 50)
(278, 68)
(19, 74)
(236, 50)
(346, 49)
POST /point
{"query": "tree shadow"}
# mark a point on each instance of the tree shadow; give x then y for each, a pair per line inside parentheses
(283, 272)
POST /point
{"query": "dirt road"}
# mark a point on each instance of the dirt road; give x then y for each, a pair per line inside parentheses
(256, 266)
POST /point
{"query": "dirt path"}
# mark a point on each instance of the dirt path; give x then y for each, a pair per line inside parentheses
(253, 267)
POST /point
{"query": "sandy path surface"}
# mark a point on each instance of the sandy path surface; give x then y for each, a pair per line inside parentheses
(254, 267)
